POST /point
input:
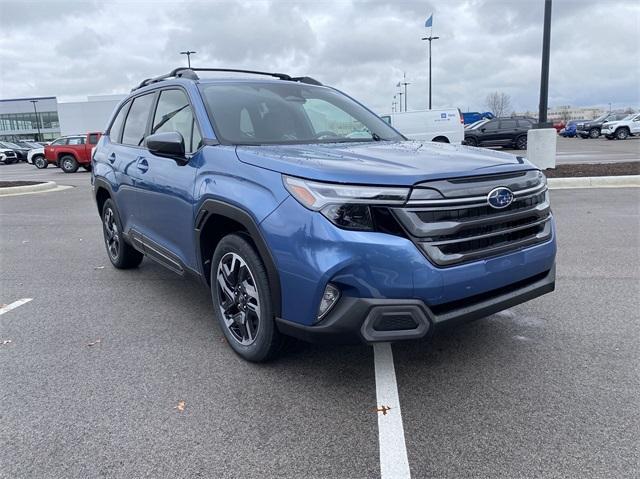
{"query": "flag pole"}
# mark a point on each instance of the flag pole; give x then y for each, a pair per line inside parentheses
(430, 38)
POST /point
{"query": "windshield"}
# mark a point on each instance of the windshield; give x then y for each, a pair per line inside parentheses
(8, 144)
(476, 124)
(251, 113)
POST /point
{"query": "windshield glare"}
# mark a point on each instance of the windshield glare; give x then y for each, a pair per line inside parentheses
(250, 113)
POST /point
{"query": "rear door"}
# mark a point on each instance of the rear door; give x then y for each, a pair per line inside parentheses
(165, 191)
(508, 130)
(124, 151)
(76, 144)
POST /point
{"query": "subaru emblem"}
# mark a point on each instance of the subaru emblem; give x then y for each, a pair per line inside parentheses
(500, 197)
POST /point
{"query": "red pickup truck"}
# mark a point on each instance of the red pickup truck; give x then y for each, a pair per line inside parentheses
(71, 152)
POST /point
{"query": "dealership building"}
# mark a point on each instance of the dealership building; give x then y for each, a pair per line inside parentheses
(45, 118)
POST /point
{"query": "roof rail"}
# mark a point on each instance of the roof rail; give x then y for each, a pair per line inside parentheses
(190, 73)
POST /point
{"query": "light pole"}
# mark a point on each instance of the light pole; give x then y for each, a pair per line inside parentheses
(430, 38)
(544, 75)
(400, 101)
(404, 83)
(35, 110)
(188, 53)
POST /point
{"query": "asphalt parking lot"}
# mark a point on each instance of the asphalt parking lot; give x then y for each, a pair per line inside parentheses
(100, 360)
(600, 150)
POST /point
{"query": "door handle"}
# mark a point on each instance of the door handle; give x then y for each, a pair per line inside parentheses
(143, 165)
(112, 158)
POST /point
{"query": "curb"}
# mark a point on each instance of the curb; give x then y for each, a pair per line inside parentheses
(594, 182)
(28, 189)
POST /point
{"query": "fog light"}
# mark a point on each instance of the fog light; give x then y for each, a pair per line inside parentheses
(329, 299)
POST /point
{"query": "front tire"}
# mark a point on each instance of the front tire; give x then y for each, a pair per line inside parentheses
(40, 162)
(622, 133)
(471, 141)
(69, 164)
(242, 300)
(594, 133)
(121, 253)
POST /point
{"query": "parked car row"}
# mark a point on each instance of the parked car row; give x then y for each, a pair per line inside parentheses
(68, 152)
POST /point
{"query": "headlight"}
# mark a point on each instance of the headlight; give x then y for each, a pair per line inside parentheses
(346, 206)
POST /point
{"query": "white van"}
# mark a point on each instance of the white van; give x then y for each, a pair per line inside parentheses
(446, 126)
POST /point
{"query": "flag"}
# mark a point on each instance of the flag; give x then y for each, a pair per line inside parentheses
(429, 22)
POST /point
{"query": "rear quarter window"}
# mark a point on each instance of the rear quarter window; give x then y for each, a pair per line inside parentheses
(93, 138)
(115, 132)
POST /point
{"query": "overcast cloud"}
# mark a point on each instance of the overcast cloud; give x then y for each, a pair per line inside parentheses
(72, 49)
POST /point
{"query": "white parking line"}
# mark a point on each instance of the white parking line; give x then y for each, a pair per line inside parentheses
(14, 305)
(394, 463)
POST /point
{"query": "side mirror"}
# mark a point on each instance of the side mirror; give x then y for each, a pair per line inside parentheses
(483, 129)
(169, 144)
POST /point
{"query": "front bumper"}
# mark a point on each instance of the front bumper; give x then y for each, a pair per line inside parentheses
(377, 268)
(374, 320)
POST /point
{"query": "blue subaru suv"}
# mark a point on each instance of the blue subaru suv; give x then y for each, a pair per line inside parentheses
(307, 215)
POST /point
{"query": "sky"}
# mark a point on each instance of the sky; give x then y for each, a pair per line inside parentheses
(71, 49)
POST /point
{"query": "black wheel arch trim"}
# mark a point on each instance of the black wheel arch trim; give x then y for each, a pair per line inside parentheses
(241, 216)
(101, 183)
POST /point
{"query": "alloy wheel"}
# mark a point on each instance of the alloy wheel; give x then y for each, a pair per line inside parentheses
(238, 298)
(112, 235)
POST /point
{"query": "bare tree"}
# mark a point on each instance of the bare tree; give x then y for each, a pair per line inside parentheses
(499, 103)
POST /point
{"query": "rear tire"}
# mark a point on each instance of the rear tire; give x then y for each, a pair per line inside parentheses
(121, 253)
(40, 162)
(242, 300)
(440, 139)
(521, 142)
(622, 133)
(69, 164)
(594, 133)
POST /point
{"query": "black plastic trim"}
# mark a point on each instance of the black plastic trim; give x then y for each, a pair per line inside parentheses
(352, 318)
(239, 215)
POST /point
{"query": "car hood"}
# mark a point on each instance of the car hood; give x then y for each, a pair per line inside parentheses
(381, 163)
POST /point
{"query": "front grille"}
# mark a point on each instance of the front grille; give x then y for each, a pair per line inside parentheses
(458, 229)
(479, 211)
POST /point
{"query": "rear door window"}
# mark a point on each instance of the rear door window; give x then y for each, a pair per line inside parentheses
(508, 125)
(76, 140)
(135, 127)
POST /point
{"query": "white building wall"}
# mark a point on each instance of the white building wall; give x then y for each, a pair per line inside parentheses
(85, 116)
